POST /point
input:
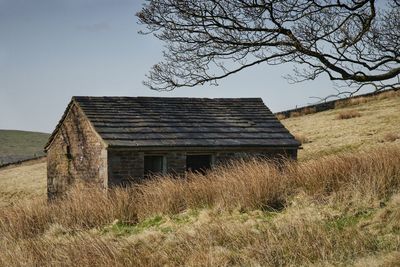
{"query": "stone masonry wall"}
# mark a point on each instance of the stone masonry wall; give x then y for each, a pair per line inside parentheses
(76, 154)
(124, 167)
(128, 166)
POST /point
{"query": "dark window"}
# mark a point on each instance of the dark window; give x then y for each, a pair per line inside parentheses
(198, 163)
(153, 165)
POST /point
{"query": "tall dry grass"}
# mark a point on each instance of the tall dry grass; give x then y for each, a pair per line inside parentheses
(348, 114)
(365, 99)
(303, 111)
(245, 184)
(29, 230)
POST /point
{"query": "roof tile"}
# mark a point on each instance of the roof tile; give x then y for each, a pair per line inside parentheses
(184, 122)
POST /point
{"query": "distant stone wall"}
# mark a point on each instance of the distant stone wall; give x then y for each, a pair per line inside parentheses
(326, 105)
(76, 153)
(19, 161)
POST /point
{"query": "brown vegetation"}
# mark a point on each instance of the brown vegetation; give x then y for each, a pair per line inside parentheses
(343, 103)
(365, 99)
(330, 136)
(280, 116)
(302, 139)
(391, 137)
(304, 111)
(335, 210)
(249, 213)
(353, 101)
(348, 114)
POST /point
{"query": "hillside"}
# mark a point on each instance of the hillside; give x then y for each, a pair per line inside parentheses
(23, 182)
(21, 145)
(377, 121)
(339, 210)
(321, 133)
(338, 206)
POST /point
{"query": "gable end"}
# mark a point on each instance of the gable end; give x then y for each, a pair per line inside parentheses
(73, 103)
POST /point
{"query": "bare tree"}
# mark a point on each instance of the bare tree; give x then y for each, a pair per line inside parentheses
(356, 42)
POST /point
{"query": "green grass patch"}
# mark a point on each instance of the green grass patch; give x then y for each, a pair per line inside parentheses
(349, 220)
(185, 217)
(120, 228)
(340, 149)
(123, 228)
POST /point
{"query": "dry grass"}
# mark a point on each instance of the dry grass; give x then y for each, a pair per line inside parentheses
(327, 211)
(280, 116)
(330, 136)
(341, 209)
(304, 111)
(348, 114)
(391, 137)
(353, 102)
(24, 181)
(302, 138)
(362, 100)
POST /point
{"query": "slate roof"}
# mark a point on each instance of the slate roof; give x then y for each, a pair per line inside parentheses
(185, 122)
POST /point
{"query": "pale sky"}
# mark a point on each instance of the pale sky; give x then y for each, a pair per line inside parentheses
(51, 50)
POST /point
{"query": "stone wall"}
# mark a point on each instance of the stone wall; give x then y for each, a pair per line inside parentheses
(127, 166)
(76, 153)
(327, 105)
(124, 166)
(176, 162)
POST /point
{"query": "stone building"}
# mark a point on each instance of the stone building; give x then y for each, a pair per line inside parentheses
(117, 140)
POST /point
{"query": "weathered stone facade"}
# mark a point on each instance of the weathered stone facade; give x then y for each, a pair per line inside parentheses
(124, 166)
(114, 141)
(127, 166)
(76, 153)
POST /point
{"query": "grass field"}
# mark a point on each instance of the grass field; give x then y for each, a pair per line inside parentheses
(323, 133)
(339, 210)
(21, 145)
(338, 206)
(26, 181)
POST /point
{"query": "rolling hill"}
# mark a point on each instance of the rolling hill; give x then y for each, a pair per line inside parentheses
(376, 121)
(321, 133)
(21, 145)
(338, 206)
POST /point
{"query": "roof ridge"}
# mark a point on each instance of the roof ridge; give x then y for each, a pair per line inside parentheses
(168, 97)
(124, 116)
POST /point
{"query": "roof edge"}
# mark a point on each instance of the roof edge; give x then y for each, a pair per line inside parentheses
(60, 122)
(168, 148)
(76, 98)
(90, 123)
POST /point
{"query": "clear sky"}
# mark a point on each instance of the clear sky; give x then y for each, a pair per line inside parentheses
(51, 50)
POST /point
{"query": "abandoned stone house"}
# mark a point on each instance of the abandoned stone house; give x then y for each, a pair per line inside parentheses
(115, 140)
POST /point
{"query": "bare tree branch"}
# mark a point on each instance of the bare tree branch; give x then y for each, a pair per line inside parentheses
(356, 42)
